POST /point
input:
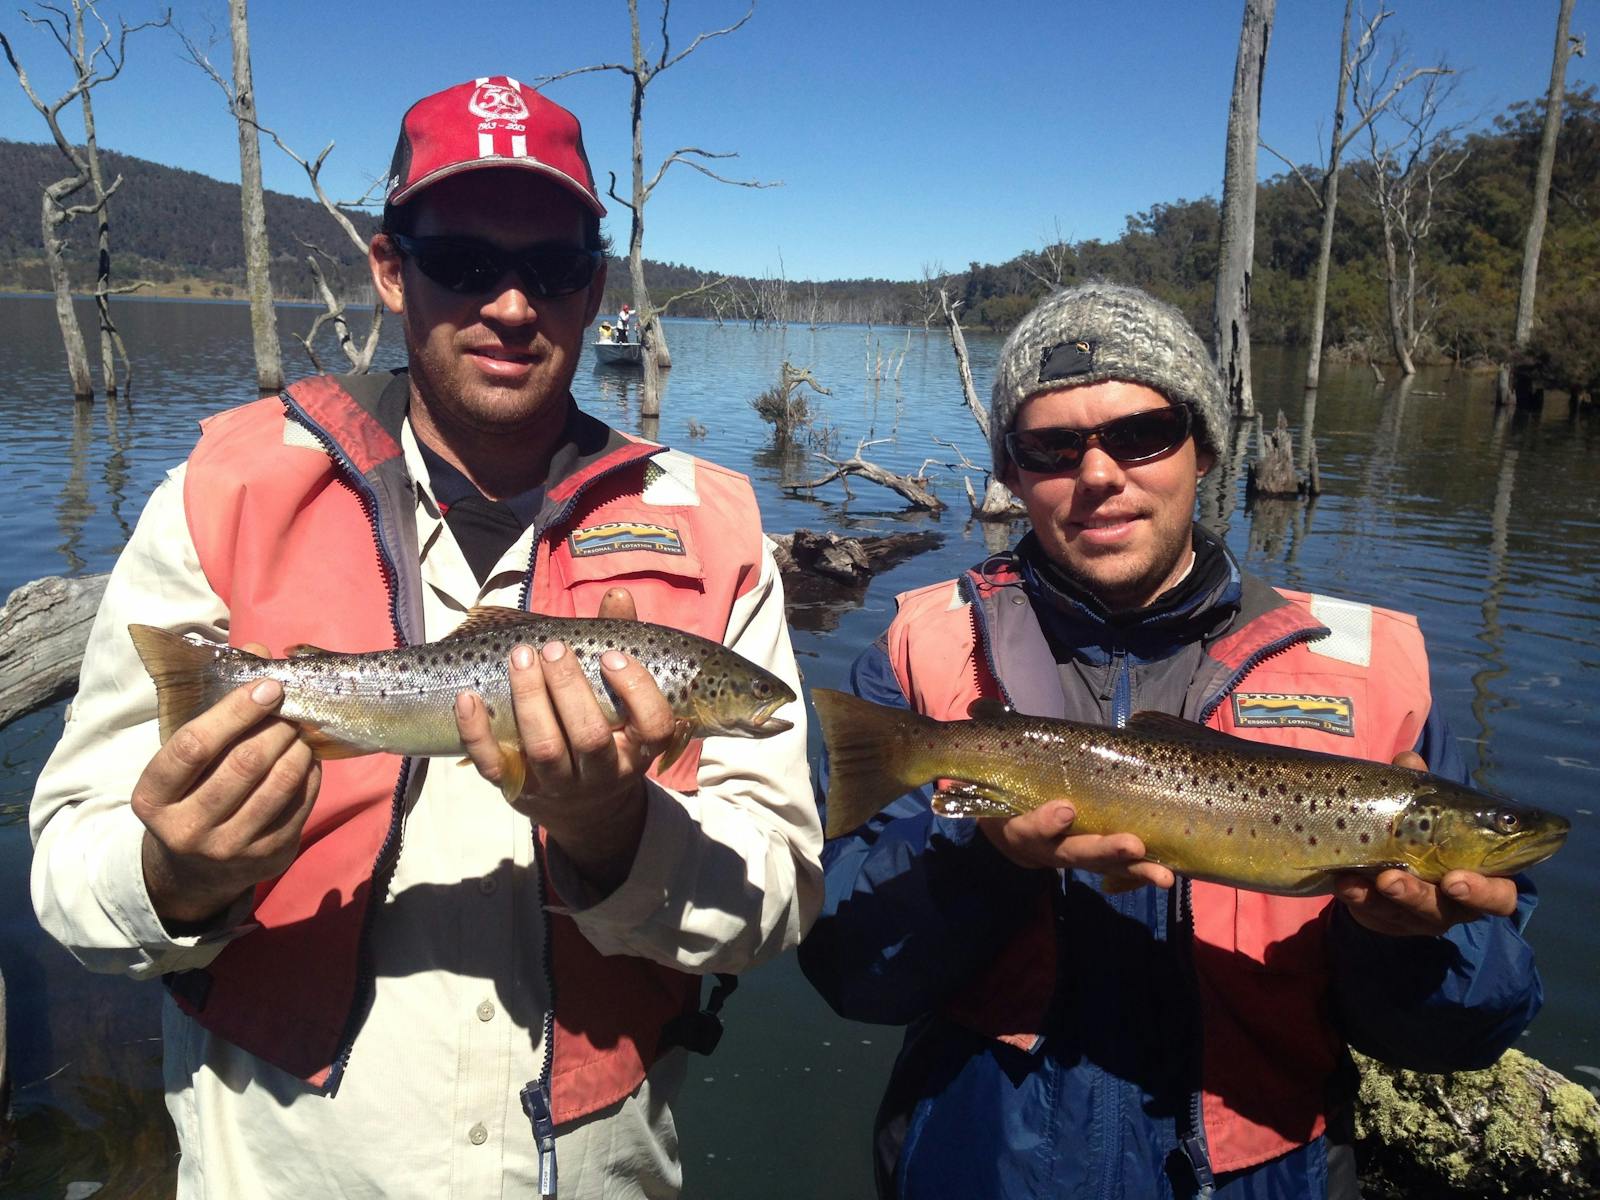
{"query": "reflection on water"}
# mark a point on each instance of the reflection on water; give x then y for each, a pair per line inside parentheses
(1485, 524)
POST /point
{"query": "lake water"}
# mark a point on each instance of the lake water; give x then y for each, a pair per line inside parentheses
(1486, 524)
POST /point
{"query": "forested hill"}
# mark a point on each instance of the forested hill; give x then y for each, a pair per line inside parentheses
(167, 225)
(183, 228)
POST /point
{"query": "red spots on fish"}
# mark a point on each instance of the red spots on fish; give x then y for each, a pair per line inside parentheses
(1230, 830)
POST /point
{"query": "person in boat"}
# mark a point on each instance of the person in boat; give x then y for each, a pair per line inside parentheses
(1080, 1022)
(624, 323)
(380, 977)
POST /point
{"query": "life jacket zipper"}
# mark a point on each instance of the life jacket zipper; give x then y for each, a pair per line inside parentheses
(389, 852)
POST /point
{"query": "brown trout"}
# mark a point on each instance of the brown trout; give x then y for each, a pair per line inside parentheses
(403, 701)
(1211, 806)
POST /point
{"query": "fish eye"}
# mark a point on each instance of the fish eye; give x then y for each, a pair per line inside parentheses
(761, 688)
(1507, 822)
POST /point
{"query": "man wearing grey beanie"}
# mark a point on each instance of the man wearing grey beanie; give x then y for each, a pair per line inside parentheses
(1082, 1021)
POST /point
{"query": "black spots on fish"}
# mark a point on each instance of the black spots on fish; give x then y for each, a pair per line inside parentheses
(1338, 851)
(1366, 839)
(1229, 831)
(1299, 797)
(1424, 824)
(1356, 809)
(1311, 805)
(1252, 831)
(1262, 792)
(1299, 828)
(1341, 792)
(1311, 776)
(1312, 840)
(1232, 788)
(1282, 788)
(1339, 823)
(1208, 801)
(1187, 831)
(1277, 818)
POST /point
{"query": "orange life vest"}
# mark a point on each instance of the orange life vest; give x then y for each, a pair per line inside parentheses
(309, 544)
(1270, 1051)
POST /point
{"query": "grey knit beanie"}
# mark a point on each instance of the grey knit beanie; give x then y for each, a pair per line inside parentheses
(1099, 331)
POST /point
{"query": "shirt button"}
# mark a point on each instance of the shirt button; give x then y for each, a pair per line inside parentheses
(486, 1011)
(487, 885)
(478, 1135)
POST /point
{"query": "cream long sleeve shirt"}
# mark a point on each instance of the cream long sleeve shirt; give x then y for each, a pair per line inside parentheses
(428, 1105)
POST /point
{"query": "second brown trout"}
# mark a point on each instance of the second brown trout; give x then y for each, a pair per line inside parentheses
(403, 701)
(1215, 807)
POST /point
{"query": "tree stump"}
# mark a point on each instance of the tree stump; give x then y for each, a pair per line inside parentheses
(1273, 473)
(44, 628)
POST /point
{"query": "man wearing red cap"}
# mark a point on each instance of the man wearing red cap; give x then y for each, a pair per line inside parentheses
(382, 979)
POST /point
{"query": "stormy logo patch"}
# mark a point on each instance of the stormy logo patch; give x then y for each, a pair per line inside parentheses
(1278, 710)
(617, 536)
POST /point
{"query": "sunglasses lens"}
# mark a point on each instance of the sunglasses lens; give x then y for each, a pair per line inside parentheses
(1131, 439)
(456, 266)
(471, 268)
(558, 270)
(1145, 435)
(1045, 450)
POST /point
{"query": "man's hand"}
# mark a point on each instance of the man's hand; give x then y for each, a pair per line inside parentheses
(223, 803)
(585, 780)
(1399, 904)
(1044, 838)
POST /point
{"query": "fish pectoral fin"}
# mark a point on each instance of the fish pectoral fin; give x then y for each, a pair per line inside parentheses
(513, 771)
(682, 735)
(969, 800)
(987, 708)
(483, 617)
(304, 650)
(327, 747)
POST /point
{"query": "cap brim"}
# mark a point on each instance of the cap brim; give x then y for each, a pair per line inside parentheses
(579, 192)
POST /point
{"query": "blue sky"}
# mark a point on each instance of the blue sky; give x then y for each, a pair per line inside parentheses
(904, 133)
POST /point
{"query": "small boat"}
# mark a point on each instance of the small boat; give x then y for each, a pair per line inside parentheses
(622, 354)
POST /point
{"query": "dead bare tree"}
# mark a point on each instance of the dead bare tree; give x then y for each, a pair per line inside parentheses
(1566, 47)
(1404, 176)
(359, 354)
(1351, 61)
(241, 98)
(1230, 315)
(642, 71)
(92, 65)
(913, 487)
(1053, 261)
(997, 504)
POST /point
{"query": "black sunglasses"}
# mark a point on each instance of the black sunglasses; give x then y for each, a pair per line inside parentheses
(470, 267)
(1131, 439)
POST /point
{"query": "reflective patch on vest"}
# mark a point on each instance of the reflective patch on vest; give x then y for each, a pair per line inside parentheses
(1279, 710)
(616, 536)
(669, 480)
(296, 434)
(1350, 626)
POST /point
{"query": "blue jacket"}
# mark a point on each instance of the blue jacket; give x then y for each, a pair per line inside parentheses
(1106, 1102)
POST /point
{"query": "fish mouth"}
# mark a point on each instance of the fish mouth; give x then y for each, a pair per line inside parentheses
(763, 722)
(1530, 849)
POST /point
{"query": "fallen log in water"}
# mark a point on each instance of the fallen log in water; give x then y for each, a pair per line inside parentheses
(43, 630)
(847, 561)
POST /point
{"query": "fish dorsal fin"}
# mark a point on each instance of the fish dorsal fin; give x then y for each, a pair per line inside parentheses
(304, 650)
(482, 618)
(986, 708)
(1155, 723)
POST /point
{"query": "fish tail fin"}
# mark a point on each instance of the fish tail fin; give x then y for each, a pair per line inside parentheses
(182, 670)
(868, 763)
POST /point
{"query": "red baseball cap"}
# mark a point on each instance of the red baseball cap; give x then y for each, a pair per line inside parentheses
(493, 121)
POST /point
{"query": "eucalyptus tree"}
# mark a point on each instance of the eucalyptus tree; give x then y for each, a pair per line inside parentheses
(1352, 61)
